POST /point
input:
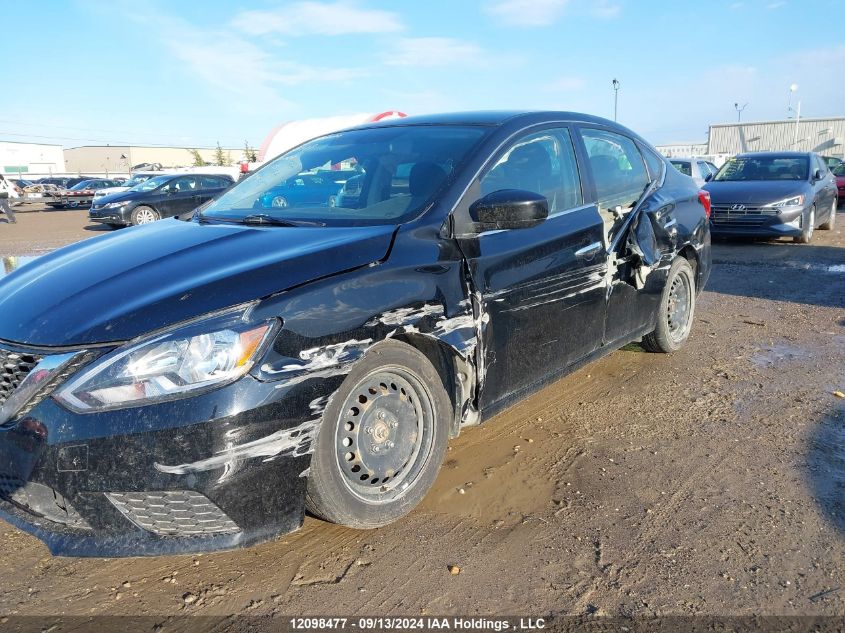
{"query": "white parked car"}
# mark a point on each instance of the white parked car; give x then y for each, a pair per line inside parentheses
(698, 169)
(136, 179)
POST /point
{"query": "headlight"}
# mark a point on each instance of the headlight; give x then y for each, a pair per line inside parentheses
(795, 201)
(199, 356)
(113, 205)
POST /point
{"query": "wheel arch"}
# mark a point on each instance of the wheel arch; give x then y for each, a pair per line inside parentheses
(689, 253)
(451, 368)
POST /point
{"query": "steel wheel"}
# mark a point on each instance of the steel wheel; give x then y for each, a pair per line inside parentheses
(385, 434)
(332, 202)
(279, 201)
(678, 311)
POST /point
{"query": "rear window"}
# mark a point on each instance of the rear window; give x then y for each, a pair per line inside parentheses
(682, 166)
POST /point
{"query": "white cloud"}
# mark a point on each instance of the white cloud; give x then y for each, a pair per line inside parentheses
(736, 6)
(775, 5)
(528, 12)
(232, 68)
(317, 18)
(435, 51)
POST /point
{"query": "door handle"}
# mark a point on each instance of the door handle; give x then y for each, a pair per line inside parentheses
(589, 251)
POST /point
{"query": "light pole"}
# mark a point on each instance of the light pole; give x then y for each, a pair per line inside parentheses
(739, 111)
(615, 85)
(792, 90)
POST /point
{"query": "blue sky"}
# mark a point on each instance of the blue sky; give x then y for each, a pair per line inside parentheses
(190, 73)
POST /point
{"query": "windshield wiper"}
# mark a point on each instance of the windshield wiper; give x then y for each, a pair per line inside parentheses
(257, 219)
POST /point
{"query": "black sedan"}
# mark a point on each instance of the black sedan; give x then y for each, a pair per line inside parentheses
(773, 194)
(196, 385)
(159, 197)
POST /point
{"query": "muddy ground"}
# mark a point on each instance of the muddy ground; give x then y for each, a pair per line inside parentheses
(711, 481)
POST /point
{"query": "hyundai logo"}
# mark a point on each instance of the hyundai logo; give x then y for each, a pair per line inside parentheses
(738, 207)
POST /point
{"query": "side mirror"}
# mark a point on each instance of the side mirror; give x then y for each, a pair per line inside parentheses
(509, 209)
(708, 178)
(817, 175)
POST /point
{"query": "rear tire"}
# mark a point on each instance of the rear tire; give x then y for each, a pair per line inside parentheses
(382, 439)
(831, 220)
(676, 312)
(807, 226)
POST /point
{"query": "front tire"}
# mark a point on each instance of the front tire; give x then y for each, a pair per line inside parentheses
(676, 311)
(382, 439)
(807, 227)
(144, 215)
(831, 219)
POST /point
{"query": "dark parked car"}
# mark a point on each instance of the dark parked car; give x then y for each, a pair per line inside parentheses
(773, 194)
(81, 194)
(831, 161)
(63, 182)
(195, 385)
(839, 173)
(156, 198)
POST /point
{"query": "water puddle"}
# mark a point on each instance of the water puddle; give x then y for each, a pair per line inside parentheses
(779, 353)
(823, 268)
(14, 262)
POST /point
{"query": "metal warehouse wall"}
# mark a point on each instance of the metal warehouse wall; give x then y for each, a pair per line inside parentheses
(23, 158)
(825, 136)
(107, 158)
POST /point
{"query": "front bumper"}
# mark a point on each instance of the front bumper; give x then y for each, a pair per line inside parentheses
(220, 470)
(755, 222)
(110, 216)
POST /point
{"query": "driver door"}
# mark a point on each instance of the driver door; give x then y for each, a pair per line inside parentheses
(541, 288)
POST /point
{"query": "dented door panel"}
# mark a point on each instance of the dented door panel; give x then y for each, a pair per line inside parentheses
(543, 297)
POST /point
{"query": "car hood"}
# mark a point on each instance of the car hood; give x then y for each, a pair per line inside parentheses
(756, 192)
(119, 286)
(125, 195)
(110, 191)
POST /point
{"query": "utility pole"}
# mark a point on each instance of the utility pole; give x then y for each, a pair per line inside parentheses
(739, 111)
(797, 121)
(615, 85)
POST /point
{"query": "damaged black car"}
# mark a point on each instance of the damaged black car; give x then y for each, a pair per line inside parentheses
(197, 385)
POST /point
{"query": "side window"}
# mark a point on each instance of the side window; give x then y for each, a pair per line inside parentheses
(211, 182)
(618, 168)
(654, 162)
(703, 169)
(542, 163)
(188, 183)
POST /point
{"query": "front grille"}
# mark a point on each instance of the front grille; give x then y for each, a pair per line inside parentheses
(14, 367)
(746, 216)
(173, 513)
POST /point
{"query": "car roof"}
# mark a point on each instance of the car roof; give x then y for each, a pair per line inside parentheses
(775, 155)
(492, 118)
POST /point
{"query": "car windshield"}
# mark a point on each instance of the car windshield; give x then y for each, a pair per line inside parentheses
(764, 168)
(839, 170)
(134, 181)
(152, 183)
(85, 184)
(682, 166)
(389, 175)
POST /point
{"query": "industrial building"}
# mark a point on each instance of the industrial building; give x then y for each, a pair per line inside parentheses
(103, 159)
(21, 159)
(823, 136)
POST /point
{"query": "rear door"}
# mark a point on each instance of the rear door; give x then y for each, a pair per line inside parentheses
(541, 289)
(209, 186)
(620, 177)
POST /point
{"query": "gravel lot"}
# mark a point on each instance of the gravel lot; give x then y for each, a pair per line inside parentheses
(711, 482)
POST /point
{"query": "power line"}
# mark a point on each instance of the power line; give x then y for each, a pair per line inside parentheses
(114, 142)
(90, 129)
